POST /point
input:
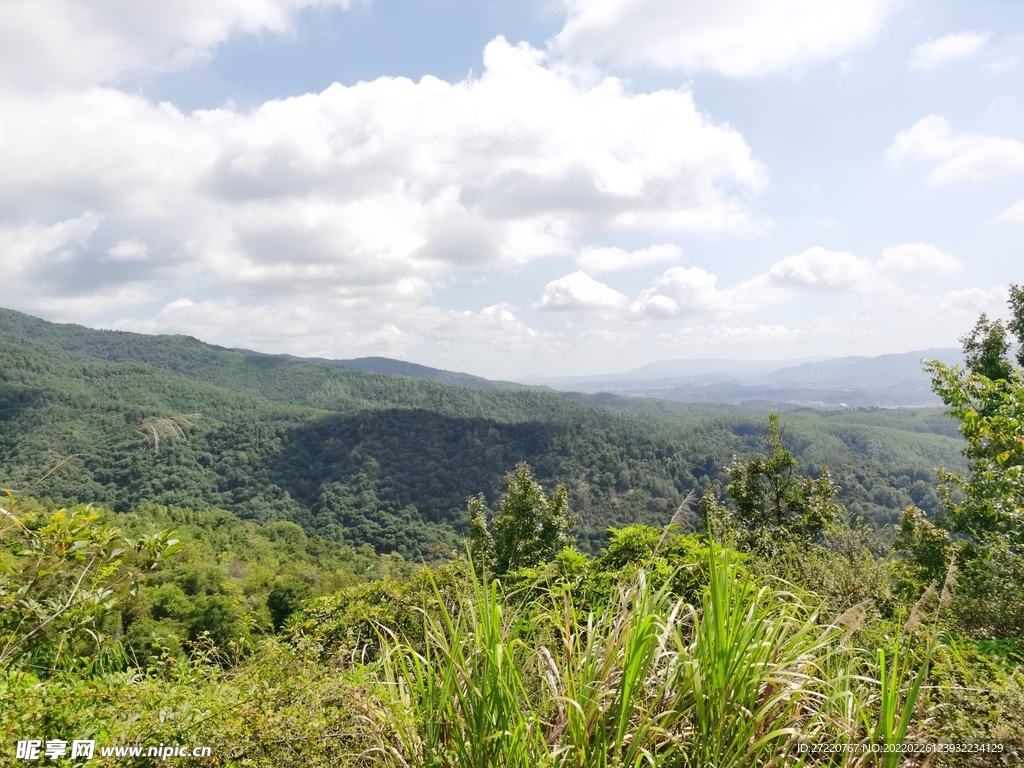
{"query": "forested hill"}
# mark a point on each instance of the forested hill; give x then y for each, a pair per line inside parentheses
(404, 368)
(389, 460)
(322, 385)
(329, 385)
(196, 359)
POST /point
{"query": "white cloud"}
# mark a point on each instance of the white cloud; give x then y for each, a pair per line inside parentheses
(27, 246)
(129, 250)
(820, 269)
(83, 42)
(693, 291)
(947, 48)
(960, 156)
(1012, 215)
(683, 292)
(579, 291)
(891, 318)
(918, 259)
(364, 196)
(597, 260)
(680, 291)
(736, 38)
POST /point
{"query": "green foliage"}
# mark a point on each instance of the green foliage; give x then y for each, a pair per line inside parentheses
(277, 708)
(771, 505)
(646, 653)
(389, 461)
(529, 528)
(985, 349)
(233, 582)
(348, 624)
(74, 586)
(307, 635)
(991, 416)
(983, 511)
(928, 545)
(481, 544)
(62, 575)
(1016, 322)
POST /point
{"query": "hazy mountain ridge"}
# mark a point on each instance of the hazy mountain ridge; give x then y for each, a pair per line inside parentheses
(395, 367)
(681, 369)
(890, 380)
(884, 381)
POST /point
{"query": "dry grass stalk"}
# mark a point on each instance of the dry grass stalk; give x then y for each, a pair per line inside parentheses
(948, 585)
(169, 427)
(920, 609)
(853, 617)
(681, 514)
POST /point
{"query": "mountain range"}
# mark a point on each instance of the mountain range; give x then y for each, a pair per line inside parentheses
(884, 381)
(363, 457)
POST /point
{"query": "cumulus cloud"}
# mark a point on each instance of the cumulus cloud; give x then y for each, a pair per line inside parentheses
(820, 269)
(918, 259)
(691, 291)
(27, 247)
(924, 319)
(959, 156)
(579, 291)
(1012, 215)
(364, 196)
(128, 250)
(736, 38)
(597, 260)
(947, 48)
(682, 292)
(299, 327)
(83, 42)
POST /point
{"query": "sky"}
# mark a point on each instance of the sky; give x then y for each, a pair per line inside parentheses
(541, 187)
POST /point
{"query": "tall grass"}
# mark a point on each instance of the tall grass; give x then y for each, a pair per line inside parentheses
(741, 679)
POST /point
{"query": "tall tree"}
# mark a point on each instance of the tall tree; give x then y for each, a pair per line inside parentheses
(985, 349)
(529, 528)
(771, 503)
(984, 509)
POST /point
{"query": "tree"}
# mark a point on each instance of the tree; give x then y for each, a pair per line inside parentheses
(1016, 323)
(529, 528)
(62, 575)
(985, 349)
(771, 504)
(983, 511)
(481, 545)
(988, 401)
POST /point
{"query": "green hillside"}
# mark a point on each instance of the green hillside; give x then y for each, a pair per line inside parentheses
(290, 584)
(404, 368)
(389, 460)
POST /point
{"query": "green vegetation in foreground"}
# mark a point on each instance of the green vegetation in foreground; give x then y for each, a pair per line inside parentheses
(642, 656)
(388, 461)
(778, 628)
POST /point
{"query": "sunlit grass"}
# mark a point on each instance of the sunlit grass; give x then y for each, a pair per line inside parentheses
(743, 678)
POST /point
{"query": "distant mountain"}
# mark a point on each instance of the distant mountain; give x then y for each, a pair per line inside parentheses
(389, 460)
(884, 369)
(191, 357)
(892, 380)
(403, 368)
(680, 370)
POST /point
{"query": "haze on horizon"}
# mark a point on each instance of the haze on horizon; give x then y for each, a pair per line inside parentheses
(515, 188)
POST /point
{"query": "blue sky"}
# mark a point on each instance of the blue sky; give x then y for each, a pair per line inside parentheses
(557, 187)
